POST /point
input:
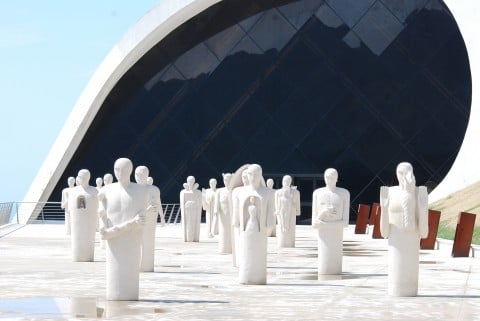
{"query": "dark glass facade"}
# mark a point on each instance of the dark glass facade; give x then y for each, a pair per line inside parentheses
(296, 86)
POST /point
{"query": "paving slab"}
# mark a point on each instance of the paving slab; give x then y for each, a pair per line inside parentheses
(191, 281)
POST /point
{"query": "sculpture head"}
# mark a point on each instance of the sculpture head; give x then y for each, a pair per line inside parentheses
(71, 181)
(123, 170)
(141, 175)
(107, 179)
(227, 179)
(254, 175)
(150, 180)
(190, 182)
(270, 183)
(83, 177)
(212, 183)
(331, 177)
(287, 181)
(405, 176)
(245, 178)
(99, 182)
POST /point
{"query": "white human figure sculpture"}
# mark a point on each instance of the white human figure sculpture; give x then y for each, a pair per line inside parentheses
(154, 207)
(253, 213)
(64, 204)
(191, 210)
(223, 211)
(122, 207)
(272, 231)
(208, 203)
(157, 197)
(99, 183)
(404, 221)
(107, 179)
(287, 208)
(330, 213)
(270, 183)
(83, 207)
(236, 229)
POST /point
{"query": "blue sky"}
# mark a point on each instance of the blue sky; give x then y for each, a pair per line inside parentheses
(48, 52)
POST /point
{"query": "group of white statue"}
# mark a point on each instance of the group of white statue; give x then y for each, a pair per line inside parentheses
(243, 214)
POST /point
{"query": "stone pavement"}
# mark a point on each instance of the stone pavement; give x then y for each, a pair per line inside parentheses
(38, 281)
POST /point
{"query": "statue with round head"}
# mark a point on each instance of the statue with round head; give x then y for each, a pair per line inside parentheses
(107, 179)
(330, 214)
(191, 210)
(64, 203)
(404, 221)
(287, 208)
(83, 207)
(223, 211)
(123, 207)
(208, 203)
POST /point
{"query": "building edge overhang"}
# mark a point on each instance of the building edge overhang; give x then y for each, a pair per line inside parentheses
(155, 25)
(466, 167)
(163, 19)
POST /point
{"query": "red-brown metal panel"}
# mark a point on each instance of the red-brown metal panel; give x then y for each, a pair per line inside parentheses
(428, 243)
(362, 219)
(463, 234)
(376, 234)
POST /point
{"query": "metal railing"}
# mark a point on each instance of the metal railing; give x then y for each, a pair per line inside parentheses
(44, 212)
(6, 210)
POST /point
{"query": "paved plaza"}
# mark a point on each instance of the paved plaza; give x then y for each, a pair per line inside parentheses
(191, 281)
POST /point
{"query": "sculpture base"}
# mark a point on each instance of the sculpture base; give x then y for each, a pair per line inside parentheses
(330, 248)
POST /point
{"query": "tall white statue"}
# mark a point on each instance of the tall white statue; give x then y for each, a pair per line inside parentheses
(122, 207)
(154, 207)
(236, 188)
(156, 192)
(330, 213)
(272, 231)
(64, 204)
(223, 211)
(404, 221)
(208, 203)
(191, 210)
(253, 211)
(107, 179)
(287, 208)
(83, 207)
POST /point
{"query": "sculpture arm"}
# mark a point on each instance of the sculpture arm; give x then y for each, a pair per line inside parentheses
(235, 210)
(314, 209)
(102, 207)
(115, 231)
(422, 211)
(384, 219)
(346, 208)
(297, 203)
(64, 202)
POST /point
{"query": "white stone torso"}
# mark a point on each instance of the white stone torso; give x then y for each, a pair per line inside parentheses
(124, 203)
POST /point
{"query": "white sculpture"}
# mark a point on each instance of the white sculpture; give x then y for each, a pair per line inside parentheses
(287, 208)
(64, 204)
(156, 192)
(122, 207)
(404, 221)
(191, 210)
(208, 203)
(107, 179)
(154, 207)
(223, 211)
(83, 207)
(236, 188)
(272, 231)
(330, 213)
(270, 183)
(99, 183)
(253, 212)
